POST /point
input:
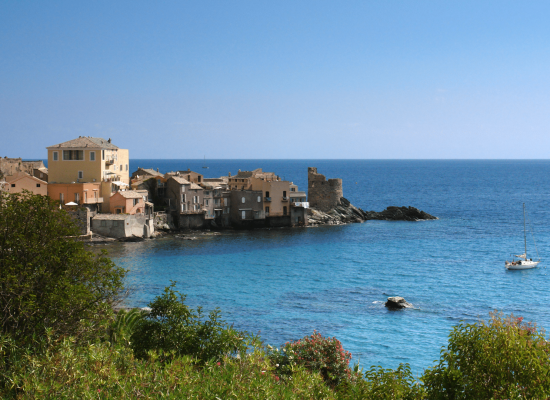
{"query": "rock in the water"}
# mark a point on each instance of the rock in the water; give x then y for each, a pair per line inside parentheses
(346, 212)
(397, 303)
(400, 214)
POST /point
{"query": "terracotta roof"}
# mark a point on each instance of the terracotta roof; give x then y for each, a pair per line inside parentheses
(149, 171)
(86, 141)
(180, 180)
(130, 194)
(111, 216)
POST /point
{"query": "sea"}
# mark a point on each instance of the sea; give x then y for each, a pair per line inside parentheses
(286, 283)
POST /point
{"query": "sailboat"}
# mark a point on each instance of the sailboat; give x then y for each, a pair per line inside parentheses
(523, 262)
(204, 163)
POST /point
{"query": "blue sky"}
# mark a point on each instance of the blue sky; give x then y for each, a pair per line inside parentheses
(285, 79)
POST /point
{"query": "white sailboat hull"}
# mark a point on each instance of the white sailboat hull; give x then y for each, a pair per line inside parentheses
(521, 264)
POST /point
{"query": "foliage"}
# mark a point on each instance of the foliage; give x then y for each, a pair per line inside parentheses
(316, 353)
(502, 359)
(124, 325)
(66, 370)
(47, 278)
(380, 383)
(174, 328)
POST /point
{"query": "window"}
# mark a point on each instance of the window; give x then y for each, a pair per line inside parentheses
(13, 185)
(95, 194)
(126, 167)
(114, 167)
(103, 223)
(85, 197)
(284, 210)
(55, 156)
(92, 155)
(115, 223)
(103, 154)
(199, 178)
(266, 194)
(136, 201)
(76, 197)
(38, 185)
(292, 189)
(206, 202)
(259, 199)
(243, 214)
(267, 210)
(80, 174)
(284, 193)
(244, 200)
(195, 199)
(183, 199)
(182, 187)
(226, 202)
(73, 155)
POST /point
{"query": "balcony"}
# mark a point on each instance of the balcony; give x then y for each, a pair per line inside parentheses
(93, 200)
(285, 198)
(267, 198)
(304, 204)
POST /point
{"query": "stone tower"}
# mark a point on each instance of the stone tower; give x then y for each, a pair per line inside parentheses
(322, 194)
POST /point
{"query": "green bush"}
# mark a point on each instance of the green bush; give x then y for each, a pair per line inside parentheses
(174, 328)
(502, 359)
(47, 278)
(316, 353)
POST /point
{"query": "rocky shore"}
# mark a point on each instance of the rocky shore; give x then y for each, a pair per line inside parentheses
(345, 212)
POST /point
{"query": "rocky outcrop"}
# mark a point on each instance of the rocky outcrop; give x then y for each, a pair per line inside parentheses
(399, 214)
(345, 212)
(397, 303)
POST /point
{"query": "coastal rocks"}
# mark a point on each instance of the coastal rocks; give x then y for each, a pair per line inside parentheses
(345, 212)
(399, 214)
(397, 303)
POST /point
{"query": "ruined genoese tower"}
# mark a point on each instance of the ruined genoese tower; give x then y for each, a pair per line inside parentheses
(323, 195)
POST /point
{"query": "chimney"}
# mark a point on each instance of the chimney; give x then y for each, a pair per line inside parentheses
(157, 170)
(230, 174)
(109, 141)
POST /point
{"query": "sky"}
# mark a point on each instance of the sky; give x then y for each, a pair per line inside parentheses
(280, 79)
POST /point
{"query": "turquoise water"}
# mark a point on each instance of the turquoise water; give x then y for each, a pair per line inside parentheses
(284, 283)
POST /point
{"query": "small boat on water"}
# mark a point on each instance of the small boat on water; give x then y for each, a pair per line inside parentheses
(524, 262)
(204, 163)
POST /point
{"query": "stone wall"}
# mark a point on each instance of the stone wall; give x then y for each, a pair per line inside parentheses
(82, 217)
(322, 194)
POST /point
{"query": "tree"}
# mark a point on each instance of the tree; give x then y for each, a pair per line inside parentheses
(502, 359)
(47, 277)
(174, 328)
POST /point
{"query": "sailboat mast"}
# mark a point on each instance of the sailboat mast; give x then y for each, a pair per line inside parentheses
(524, 232)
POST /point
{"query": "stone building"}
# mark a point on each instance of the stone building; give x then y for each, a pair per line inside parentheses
(323, 195)
(246, 210)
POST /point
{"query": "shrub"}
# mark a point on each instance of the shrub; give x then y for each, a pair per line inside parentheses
(316, 353)
(47, 278)
(504, 358)
(174, 328)
(382, 384)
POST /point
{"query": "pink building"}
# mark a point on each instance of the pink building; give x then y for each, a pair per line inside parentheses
(22, 181)
(127, 202)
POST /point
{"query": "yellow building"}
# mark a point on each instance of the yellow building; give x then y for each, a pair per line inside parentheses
(87, 160)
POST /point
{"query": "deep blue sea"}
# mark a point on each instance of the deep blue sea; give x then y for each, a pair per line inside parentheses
(284, 283)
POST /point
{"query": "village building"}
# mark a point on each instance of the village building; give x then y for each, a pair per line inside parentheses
(186, 202)
(246, 210)
(122, 225)
(128, 202)
(23, 181)
(11, 166)
(88, 160)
